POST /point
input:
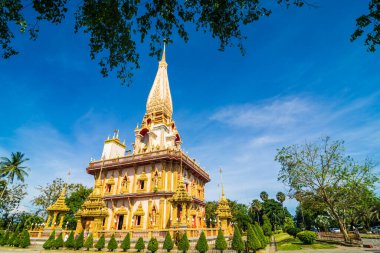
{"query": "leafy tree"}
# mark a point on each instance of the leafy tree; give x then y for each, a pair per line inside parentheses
(76, 195)
(89, 242)
(275, 212)
(13, 194)
(323, 175)
(140, 245)
(25, 239)
(264, 196)
(100, 243)
(126, 243)
(79, 241)
(202, 245)
(256, 207)
(253, 242)
(220, 242)
(70, 242)
(237, 241)
(289, 223)
(153, 245)
(11, 168)
(112, 244)
(239, 214)
(210, 213)
(184, 244)
(58, 242)
(267, 227)
(280, 196)
(49, 243)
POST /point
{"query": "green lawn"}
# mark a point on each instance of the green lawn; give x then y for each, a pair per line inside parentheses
(287, 242)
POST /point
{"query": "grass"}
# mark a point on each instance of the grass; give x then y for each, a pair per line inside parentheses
(287, 242)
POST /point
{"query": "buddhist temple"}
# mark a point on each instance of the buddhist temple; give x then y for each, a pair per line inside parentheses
(57, 211)
(155, 186)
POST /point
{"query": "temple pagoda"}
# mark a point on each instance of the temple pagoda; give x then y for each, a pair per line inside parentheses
(156, 185)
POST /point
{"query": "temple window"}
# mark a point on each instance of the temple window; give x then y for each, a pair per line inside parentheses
(108, 188)
(141, 184)
(199, 193)
(187, 187)
(137, 220)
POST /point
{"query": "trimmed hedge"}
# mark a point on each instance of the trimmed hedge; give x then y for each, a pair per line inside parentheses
(307, 237)
(153, 245)
(140, 245)
(184, 244)
(220, 242)
(293, 231)
(100, 243)
(112, 244)
(89, 242)
(237, 241)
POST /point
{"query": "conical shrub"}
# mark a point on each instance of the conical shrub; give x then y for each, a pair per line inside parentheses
(168, 243)
(253, 243)
(89, 242)
(79, 241)
(16, 241)
(259, 231)
(100, 243)
(220, 242)
(153, 245)
(126, 243)
(58, 242)
(49, 243)
(237, 241)
(202, 245)
(70, 242)
(140, 245)
(112, 244)
(184, 244)
(25, 239)
(5, 239)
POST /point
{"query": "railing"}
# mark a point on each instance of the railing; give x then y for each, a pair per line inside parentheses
(339, 237)
(211, 233)
(147, 234)
(146, 156)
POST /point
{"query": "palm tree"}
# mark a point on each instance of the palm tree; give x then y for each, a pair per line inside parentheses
(264, 196)
(11, 168)
(280, 196)
(256, 207)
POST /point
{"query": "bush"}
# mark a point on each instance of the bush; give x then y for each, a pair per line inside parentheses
(25, 239)
(16, 241)
(140, 245)
(168, 243)
(11, 239)
(112, 244)
(260, 234)
(184, 244)
(49, 243)
(100, 243)
(202, 245)
(126, 243)
(70, 243)
(5, 239)
(153, 245)
(58, 243)
(89, 241)
(237, 241)
(307, 237)
(253, 242)
(220, 242)
(267, 227)
(79, 241)
(293, 231)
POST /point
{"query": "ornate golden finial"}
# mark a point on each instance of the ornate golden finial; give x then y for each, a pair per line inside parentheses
(221, 182)
(163, 58)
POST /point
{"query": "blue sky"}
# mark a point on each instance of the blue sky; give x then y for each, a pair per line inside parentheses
(300, 79)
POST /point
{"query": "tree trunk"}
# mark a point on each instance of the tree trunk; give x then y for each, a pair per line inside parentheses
(342, 226)
(5, 187)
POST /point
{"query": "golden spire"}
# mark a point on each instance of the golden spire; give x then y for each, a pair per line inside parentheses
(221, 183)
(60, 204)
(159, 99)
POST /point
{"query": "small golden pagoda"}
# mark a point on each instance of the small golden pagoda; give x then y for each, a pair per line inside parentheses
(57, 211)
(223, 213)
(91, 216)
(181, 201)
